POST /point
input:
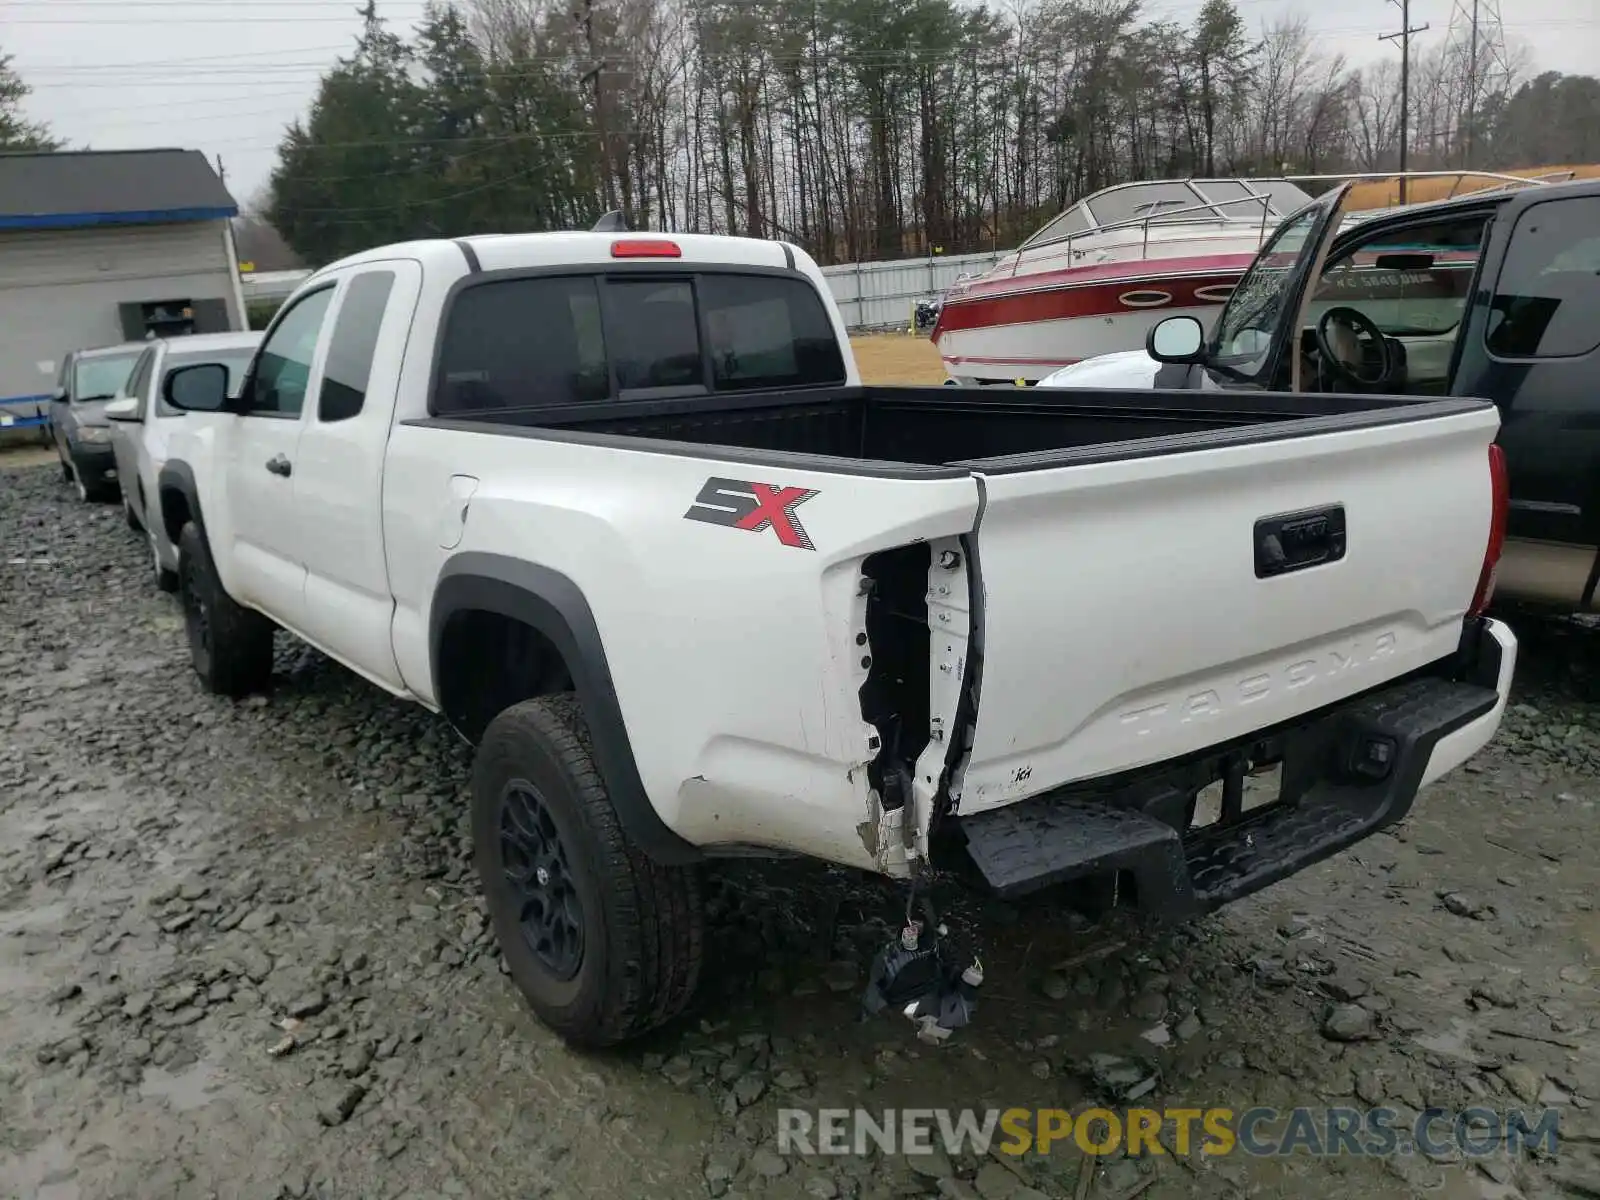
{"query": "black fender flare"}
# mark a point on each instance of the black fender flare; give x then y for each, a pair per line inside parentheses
(551, 603)
(179, 477)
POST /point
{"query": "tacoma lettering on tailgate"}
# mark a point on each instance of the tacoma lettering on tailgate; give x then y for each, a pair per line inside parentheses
(1258, 685)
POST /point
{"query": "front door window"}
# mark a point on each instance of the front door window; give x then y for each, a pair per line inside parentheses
(1242, 347)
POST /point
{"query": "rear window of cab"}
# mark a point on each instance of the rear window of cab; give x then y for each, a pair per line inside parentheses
(552, 340)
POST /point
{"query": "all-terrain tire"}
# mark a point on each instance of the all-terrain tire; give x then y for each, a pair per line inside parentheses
(643, 924)
(230, 645)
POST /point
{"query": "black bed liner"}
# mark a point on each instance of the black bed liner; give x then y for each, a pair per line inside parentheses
(943, 431)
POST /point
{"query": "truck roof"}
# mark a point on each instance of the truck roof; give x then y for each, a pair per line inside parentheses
(513, 251)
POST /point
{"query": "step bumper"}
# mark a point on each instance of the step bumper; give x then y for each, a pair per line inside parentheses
(1347, 772)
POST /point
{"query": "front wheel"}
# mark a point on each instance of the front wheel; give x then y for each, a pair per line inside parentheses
(230, 645)
(604, 943)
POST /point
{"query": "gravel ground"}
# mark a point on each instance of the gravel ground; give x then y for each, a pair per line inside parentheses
(242, 954)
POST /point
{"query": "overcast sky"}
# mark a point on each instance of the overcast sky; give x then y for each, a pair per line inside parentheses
(225, 76)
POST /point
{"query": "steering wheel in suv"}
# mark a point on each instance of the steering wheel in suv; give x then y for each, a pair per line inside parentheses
(1358, 337)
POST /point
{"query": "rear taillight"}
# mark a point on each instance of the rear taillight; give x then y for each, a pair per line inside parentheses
(645, 248)
(1500, 492)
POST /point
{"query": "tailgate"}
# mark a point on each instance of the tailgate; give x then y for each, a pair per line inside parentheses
(1130, 612)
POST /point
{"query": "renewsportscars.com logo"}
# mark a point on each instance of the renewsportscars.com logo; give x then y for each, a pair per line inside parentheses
(1257, 1132)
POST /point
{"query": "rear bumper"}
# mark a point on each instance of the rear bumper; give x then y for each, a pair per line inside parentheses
(1347, 772)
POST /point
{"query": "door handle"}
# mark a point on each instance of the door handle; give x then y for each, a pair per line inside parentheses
(279, 465)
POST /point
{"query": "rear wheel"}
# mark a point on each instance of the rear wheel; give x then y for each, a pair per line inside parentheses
(230, 645)
(604, 943)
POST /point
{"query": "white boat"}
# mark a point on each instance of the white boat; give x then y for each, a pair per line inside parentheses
(1100, 275)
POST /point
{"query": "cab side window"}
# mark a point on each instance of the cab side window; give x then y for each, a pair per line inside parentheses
(283, 370)
(354, 341)
(1549, 287)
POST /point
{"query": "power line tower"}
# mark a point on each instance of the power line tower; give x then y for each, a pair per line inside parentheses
(1404, 35)
(1477, 48)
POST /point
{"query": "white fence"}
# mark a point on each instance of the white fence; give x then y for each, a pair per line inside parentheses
(870, 295)
(879, 295)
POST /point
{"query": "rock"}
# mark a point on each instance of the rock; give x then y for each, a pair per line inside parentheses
(955, 1189)
(994, 1182)
(1497, 1169)
(137, 1004)
(355, 961)
(1055, 986)
(791, 1080)
(184, 1016)
(179, 923)
(933, 1165)
(749, 1088)
(177, 997)
(768, 1163)
(137, 1051)
(1349, 1023)
(1369, 1087)
(1494, 992)
(719, 1174)
(258, 919)
(67, 991)
(1344, 988)
(356, 1059)
(308, 1005)
(1462, 905)
(841, 976)
(1524, 1082)
(1149, 1005)
(822, 1187)
(336, 1102)
(1188, 1027)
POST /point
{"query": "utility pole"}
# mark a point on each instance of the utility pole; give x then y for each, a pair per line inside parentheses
(1404, 37)
(1472, 88)
(585, 19)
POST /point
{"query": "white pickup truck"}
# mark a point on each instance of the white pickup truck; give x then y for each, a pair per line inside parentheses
(619, 507)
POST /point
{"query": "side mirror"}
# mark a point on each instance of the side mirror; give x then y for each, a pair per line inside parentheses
(124, 409)
(1177, 340)
(59, 395)
(202, 387)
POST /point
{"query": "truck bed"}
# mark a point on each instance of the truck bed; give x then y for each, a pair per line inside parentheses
(995, 430)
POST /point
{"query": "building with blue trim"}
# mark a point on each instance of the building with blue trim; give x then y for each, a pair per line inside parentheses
(105, 246)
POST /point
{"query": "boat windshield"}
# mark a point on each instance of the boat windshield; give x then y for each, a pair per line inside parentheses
(1176, 202)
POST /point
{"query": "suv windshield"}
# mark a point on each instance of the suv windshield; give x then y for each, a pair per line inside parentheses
(1243, 340)
(102, 377)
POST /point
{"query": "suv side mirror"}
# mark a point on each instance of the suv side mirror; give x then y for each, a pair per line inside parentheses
(59, 395)
(125, 408)
(202, 387)
(1177, 340)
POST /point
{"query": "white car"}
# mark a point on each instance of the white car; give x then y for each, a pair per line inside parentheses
(141, 423)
